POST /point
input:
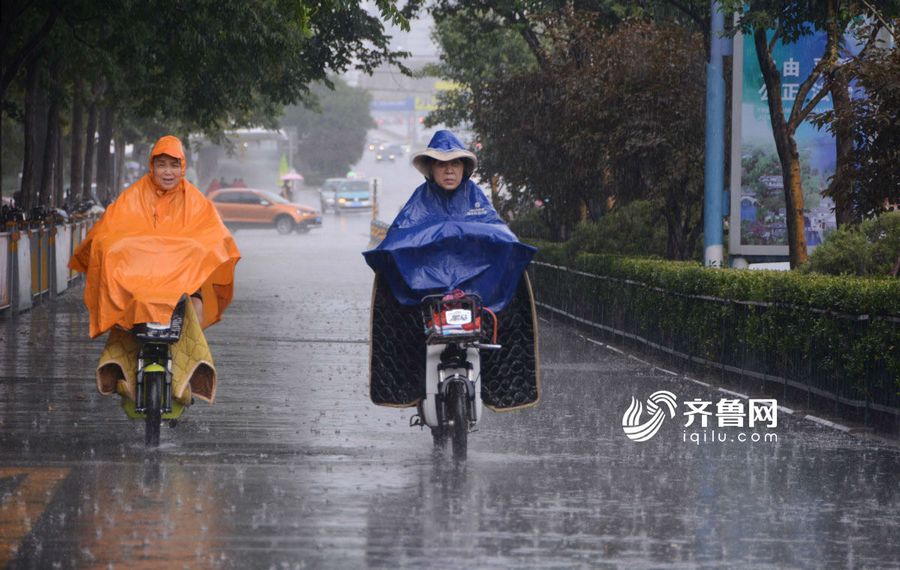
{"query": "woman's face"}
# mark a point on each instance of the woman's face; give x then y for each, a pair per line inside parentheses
(166, 171)
(447, 174)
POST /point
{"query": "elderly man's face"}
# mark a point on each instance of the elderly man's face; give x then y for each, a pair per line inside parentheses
(447, 174)
(166, 171)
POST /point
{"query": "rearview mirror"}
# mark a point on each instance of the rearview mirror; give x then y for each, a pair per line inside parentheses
(265, 203)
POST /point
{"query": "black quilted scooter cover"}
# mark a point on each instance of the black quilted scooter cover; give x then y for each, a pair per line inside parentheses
(509, 377)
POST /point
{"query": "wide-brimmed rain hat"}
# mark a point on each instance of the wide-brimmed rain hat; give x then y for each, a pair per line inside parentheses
(444, 146)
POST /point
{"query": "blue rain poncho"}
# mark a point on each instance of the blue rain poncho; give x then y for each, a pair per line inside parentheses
(441, 241)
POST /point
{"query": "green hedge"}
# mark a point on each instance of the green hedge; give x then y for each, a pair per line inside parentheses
(804, 327)
(847, 294)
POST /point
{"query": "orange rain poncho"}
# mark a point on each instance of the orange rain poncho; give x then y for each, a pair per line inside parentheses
(150, 248)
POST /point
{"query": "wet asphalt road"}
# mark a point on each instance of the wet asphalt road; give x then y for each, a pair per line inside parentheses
(294, 468)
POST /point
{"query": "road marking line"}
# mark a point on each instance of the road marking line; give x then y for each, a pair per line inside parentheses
(24, 506)
(606, 346)
(632, 357)
(704, 384)
(738, 394)
(827, 423)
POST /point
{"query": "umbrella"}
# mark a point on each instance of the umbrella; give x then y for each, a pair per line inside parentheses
(292, 175)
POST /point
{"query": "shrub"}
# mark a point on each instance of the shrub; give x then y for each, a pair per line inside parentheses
(871, 248)
(636, 228)
(530, 225)
(839, 334)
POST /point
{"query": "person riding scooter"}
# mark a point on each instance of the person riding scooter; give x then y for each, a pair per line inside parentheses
(449, 239)
(161, 239)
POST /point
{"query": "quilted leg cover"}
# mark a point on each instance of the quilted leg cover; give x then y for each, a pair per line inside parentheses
(193, 371)
(509, 377)
(396, 350)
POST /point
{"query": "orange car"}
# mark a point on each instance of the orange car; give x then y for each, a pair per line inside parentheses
(251, 208)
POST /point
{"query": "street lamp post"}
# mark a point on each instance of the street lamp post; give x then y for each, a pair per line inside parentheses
(714, 165)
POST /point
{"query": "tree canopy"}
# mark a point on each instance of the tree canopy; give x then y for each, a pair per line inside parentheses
(331, 129)
(583, 107)
(605, 108)
(138, 67)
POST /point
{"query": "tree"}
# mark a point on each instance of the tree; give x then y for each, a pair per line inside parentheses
(614, 111)
(222, 64)
(331, 129)
(640, 104)
(867, 133)
(538, 92)
(473, 61)
(24, 30)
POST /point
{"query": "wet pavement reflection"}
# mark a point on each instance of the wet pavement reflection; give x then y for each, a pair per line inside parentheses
(293, 468)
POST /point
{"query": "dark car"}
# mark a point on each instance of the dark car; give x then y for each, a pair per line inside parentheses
(390, 152)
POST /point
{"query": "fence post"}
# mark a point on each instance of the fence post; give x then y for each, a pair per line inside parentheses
(6, 266)
(21, 271)
(62, 251)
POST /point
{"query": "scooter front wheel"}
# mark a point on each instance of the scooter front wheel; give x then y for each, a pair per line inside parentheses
(153, 382)
(460, 416)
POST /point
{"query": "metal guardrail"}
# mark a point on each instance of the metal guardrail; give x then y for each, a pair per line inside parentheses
(34, 262)
(811, 360)
(377, 232)
(6, 254)
(79, 231)
(40, 260)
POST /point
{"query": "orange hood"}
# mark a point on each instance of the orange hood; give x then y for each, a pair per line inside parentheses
(168, 145)
(150, 248)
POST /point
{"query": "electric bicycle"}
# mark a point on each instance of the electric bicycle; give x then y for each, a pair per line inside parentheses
(153, 400)
(456, 329)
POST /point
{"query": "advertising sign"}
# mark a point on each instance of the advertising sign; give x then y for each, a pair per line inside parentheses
(757, 223)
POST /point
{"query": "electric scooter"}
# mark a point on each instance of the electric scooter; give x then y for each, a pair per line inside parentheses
(456, 328)
(153, 401)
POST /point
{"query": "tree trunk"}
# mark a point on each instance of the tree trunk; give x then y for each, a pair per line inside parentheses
(120, 165)
(49, 157)
(840, 186)
(787, 152)
(793, 203)
(495, 192)
(104, 162)
(90, 132)
(59, 174)
(27, 191)
(675, 234)
(76, 166)
(139, 153)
